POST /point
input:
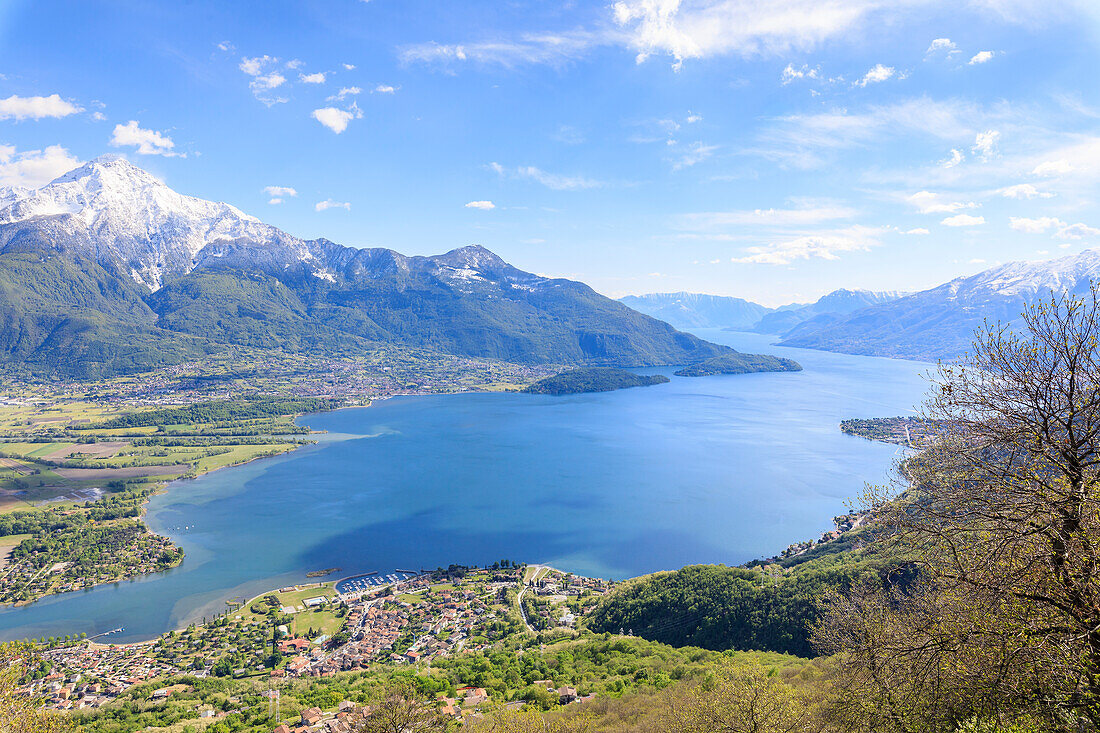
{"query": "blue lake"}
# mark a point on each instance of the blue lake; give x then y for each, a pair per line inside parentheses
(715, 469)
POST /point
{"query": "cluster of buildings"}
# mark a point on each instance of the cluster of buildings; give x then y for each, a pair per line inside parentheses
(413, 627)
(346, 718)
(555, 589)
(94, 674)
(135, 553)
(378, 375)
(418, 620)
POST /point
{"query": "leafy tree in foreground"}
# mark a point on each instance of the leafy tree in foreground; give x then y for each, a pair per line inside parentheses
(744, 698)
(401, 712)
(1003, 522)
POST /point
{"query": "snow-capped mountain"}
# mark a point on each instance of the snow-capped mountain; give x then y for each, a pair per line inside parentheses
(694, 310)
(208, 274)
(112, 211)
(10, 194)
(940, 322)
(109, 208)
(1028, 279)
(829, 307)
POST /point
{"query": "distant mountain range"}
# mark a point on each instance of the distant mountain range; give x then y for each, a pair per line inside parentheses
(691, 310)
(825, 310)
(937, 323)
(106, 270)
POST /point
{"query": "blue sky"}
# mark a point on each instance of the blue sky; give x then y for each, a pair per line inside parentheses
(773, 150)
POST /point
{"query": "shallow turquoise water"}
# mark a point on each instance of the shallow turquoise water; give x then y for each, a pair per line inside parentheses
(712, 469)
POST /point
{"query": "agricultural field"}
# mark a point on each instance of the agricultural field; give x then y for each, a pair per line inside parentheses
(75, 474)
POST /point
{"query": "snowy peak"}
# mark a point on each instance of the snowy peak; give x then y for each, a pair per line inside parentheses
(10, 194)
(106, 168)
(846, 301)
(112, 190)
(474, 257)
(1031, 279)
(111, 209)
(940, 322)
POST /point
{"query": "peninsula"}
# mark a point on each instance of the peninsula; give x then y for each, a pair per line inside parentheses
(593, 379)
(738, 363)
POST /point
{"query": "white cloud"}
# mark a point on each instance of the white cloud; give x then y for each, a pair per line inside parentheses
(349, 67)
(337, 119)
(984, 143)
(531, 48)
(267, 81)
(278, 193)
(918, 230)
(790, 73)
(963, 220)
(688, 29)
(315, 78)
(226, 46)
(821, 245)
(799, 217)
(330, 204)
(263, 83)
(555, 181)
(147, 142)
(1034, 226)
(483, 205)
(696, 152)
(1023, 191)
(1052, 169)
(1077, 231)
(928, 202)
(344, 93)
(941, 45)
(1061, 229)
(953, 160)
(295, 64)
(385, 89)
(981, 57)
(34, 168)
(800, 139)
(693, 118)
(36, 108)
(255, 66)
(877, 73)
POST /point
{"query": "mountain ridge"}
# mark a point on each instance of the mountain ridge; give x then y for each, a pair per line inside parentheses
(938, 323)
(208, 274)
(697, 310)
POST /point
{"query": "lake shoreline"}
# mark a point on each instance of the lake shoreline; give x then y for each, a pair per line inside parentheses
(703, 453)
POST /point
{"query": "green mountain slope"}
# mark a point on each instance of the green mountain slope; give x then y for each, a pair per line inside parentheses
(71, 317)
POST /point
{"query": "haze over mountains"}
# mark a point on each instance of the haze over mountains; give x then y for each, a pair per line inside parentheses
(826, 309)
(107, 270)
(692, 310)
(937, 323)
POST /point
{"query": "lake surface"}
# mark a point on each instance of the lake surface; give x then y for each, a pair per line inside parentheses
(713, 469)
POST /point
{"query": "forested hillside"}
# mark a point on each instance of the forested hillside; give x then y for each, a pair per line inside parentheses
(719, 607)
